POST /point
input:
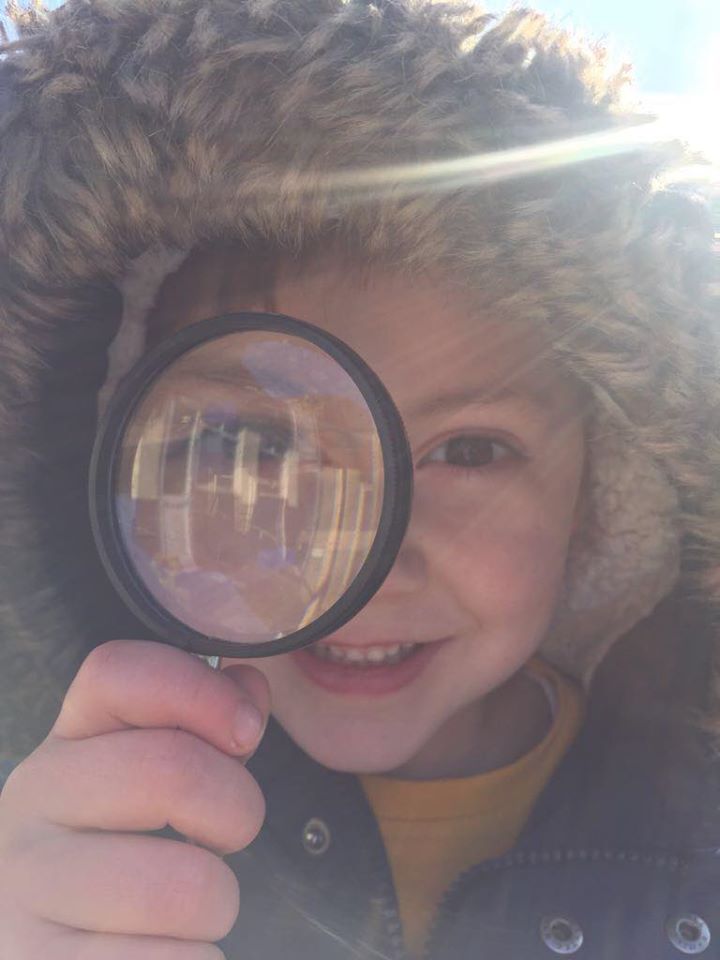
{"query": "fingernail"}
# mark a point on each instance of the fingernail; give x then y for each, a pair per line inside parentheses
(247, 726)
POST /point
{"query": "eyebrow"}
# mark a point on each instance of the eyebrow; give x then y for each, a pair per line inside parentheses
(224, 370)
(230, 374)
(457, 398)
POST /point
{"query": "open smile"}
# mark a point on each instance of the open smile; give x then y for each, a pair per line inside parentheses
(370, 670)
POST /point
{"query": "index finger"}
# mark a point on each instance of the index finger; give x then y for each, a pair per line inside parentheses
(141, 683)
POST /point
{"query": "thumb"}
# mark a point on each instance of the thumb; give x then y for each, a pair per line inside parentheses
(252, 683)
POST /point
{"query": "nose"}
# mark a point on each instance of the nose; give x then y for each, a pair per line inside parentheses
(409, 573)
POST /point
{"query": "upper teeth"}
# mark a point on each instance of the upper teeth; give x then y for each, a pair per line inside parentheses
(362, 654)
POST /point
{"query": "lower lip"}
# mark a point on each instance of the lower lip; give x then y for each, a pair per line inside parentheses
(365, 681)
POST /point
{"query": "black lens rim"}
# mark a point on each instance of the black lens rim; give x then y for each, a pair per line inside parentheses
(394, 514)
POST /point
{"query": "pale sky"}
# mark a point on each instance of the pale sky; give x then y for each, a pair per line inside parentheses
(670, 42)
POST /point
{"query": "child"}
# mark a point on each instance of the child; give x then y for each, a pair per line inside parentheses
(507, 752)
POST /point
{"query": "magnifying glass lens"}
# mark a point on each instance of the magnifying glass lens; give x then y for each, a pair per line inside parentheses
(249, 488)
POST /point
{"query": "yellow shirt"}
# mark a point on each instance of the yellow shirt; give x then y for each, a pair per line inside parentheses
(435, 829)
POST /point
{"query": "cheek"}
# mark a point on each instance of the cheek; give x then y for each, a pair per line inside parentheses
(502, 556)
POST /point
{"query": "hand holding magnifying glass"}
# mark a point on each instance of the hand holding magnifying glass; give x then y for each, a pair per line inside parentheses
(250, 488)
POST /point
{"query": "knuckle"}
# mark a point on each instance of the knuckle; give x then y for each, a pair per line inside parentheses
(202, 891)
(100, 662)
(202, 686)
(174, 950)
(183, 950)
(188, 768)
(198, 771)
(212, 952)
(171, 950)
(179, 758)
(19, 805)
(15, 786)
(21, 850)
(253, 810)
(228, 903)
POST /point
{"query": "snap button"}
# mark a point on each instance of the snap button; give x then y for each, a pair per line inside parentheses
(688, 933)
(316, 836)
(561, 935)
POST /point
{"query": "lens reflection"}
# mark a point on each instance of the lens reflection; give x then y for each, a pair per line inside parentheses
(250, 486)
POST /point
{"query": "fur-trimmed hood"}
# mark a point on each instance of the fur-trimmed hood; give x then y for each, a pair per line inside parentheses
(132, 131)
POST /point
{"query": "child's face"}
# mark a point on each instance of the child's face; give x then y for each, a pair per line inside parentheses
(483, 560)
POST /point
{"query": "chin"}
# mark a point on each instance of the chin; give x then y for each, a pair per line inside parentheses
(357, 748)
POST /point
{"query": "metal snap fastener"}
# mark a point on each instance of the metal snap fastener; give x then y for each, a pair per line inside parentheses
(688, 933)
(316, 836)
(561, 935)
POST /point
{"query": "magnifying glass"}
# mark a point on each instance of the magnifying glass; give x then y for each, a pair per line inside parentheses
(250, 486)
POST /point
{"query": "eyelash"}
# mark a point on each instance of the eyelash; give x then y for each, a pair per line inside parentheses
(509, 452)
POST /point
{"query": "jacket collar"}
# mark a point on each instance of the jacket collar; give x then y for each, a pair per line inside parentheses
(639, 775)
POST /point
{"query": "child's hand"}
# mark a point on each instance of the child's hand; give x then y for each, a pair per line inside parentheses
(147, 736)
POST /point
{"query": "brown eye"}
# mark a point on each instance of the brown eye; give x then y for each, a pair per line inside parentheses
(469, 451)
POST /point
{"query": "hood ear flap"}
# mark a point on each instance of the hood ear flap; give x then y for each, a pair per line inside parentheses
(625, 556)
(139, 290)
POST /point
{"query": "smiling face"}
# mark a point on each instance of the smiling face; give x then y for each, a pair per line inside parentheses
(497, 442)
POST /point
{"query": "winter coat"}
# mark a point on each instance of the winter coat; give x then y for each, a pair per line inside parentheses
(132, 131)
(620, 853)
